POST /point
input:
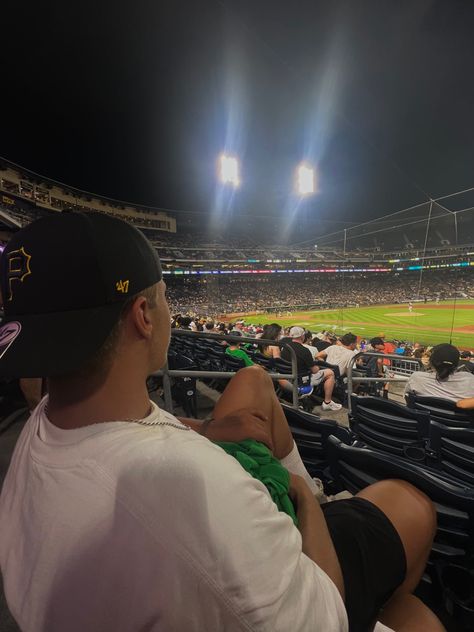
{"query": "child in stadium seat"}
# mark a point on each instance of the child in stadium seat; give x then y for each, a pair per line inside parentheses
(117, 516)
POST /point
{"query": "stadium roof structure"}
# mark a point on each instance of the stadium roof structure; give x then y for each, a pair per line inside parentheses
(442, 223)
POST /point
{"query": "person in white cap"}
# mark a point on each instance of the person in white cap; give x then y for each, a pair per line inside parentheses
(305, 362)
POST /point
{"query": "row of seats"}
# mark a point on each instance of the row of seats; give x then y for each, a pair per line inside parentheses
(344, 461)
(429, 430)
(208, 354)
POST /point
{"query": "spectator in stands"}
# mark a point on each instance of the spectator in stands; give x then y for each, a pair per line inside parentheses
(235, 351)
(209, 327)
(444, 380)
(240, 327)
(467, 361)
(341, 354)
(305, 363)
(271, 332)
(400, 350)
(184, 322)
(375, 364)
(389, 346)
(324, 340)
(307, 342)
(109, 481)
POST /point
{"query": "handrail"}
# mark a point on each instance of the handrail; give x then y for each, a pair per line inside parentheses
(166, 373)
(381, 379)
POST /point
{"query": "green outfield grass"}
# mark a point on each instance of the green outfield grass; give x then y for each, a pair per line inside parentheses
(428, 323)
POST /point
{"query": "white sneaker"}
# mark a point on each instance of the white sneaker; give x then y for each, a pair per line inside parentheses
(331, 406)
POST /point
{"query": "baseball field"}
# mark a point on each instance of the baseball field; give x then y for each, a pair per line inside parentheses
(427, 323)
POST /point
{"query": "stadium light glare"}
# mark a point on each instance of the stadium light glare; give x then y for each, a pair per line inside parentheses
(305, 179)
(229, 170)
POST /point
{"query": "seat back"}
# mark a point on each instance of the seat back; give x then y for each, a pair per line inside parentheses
(232, 364)
(311, 433)
(441, 410)
(354, 468)
(390, 427)
(183, 389)
(452, 451)
(263, 360)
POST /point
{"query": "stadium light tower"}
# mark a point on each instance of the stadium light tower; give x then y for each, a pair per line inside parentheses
(229, 170)
(305, 179)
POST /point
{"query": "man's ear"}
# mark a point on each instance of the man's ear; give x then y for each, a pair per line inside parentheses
(140, 315)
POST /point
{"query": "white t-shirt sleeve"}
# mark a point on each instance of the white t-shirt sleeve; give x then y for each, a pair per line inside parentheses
(223, 525)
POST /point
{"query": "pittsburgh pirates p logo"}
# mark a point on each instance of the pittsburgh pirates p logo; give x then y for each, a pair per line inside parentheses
(18, 262)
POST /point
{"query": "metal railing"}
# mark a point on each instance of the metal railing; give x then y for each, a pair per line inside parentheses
(168, 373)
(401, 377)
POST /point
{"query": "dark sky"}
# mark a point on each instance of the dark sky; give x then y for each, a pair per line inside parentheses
(136, 99)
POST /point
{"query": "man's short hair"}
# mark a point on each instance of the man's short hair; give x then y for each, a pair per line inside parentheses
(348, 339)
(377, 341)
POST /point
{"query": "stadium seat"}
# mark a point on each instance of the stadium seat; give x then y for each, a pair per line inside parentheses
(390, 427)
(183, 389)
(452, 451)
(443, 411)
(310, 433)
(232, 364)
(354, 468)
(263, 360)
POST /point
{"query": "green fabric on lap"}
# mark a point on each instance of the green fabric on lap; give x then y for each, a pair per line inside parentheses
(258, 461)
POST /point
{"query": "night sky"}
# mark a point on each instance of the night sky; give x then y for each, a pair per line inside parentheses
(136, 100)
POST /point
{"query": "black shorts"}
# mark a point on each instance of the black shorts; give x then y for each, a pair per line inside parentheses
(371, 556)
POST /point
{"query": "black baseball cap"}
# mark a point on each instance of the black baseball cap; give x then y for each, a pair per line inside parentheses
(64, 280)
(444, 354)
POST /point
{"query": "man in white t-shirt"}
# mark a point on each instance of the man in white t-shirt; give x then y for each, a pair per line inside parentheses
(117, 516)
(341, 354)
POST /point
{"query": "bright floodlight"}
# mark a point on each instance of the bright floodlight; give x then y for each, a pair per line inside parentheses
(305, 180)
(229, 170)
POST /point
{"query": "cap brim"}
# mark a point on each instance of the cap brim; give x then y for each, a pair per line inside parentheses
(57, 343)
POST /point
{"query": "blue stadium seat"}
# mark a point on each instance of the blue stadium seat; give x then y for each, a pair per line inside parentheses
(390, 427)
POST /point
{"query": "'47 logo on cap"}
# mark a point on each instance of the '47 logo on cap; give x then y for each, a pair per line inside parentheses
(18, 268)
(122, 286)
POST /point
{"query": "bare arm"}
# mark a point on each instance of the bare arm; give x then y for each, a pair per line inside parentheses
(276, 352)
(317, 542)
(322, 355)
(246, 423)
(466, 403)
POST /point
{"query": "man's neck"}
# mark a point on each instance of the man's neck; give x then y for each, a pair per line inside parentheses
(118, 396)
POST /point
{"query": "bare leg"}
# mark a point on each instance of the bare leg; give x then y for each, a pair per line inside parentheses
(414, 517)
(406, 613)
(253, 388)
(329, 382)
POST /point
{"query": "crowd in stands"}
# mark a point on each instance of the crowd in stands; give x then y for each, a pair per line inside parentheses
(245, 293)
(222, 510)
